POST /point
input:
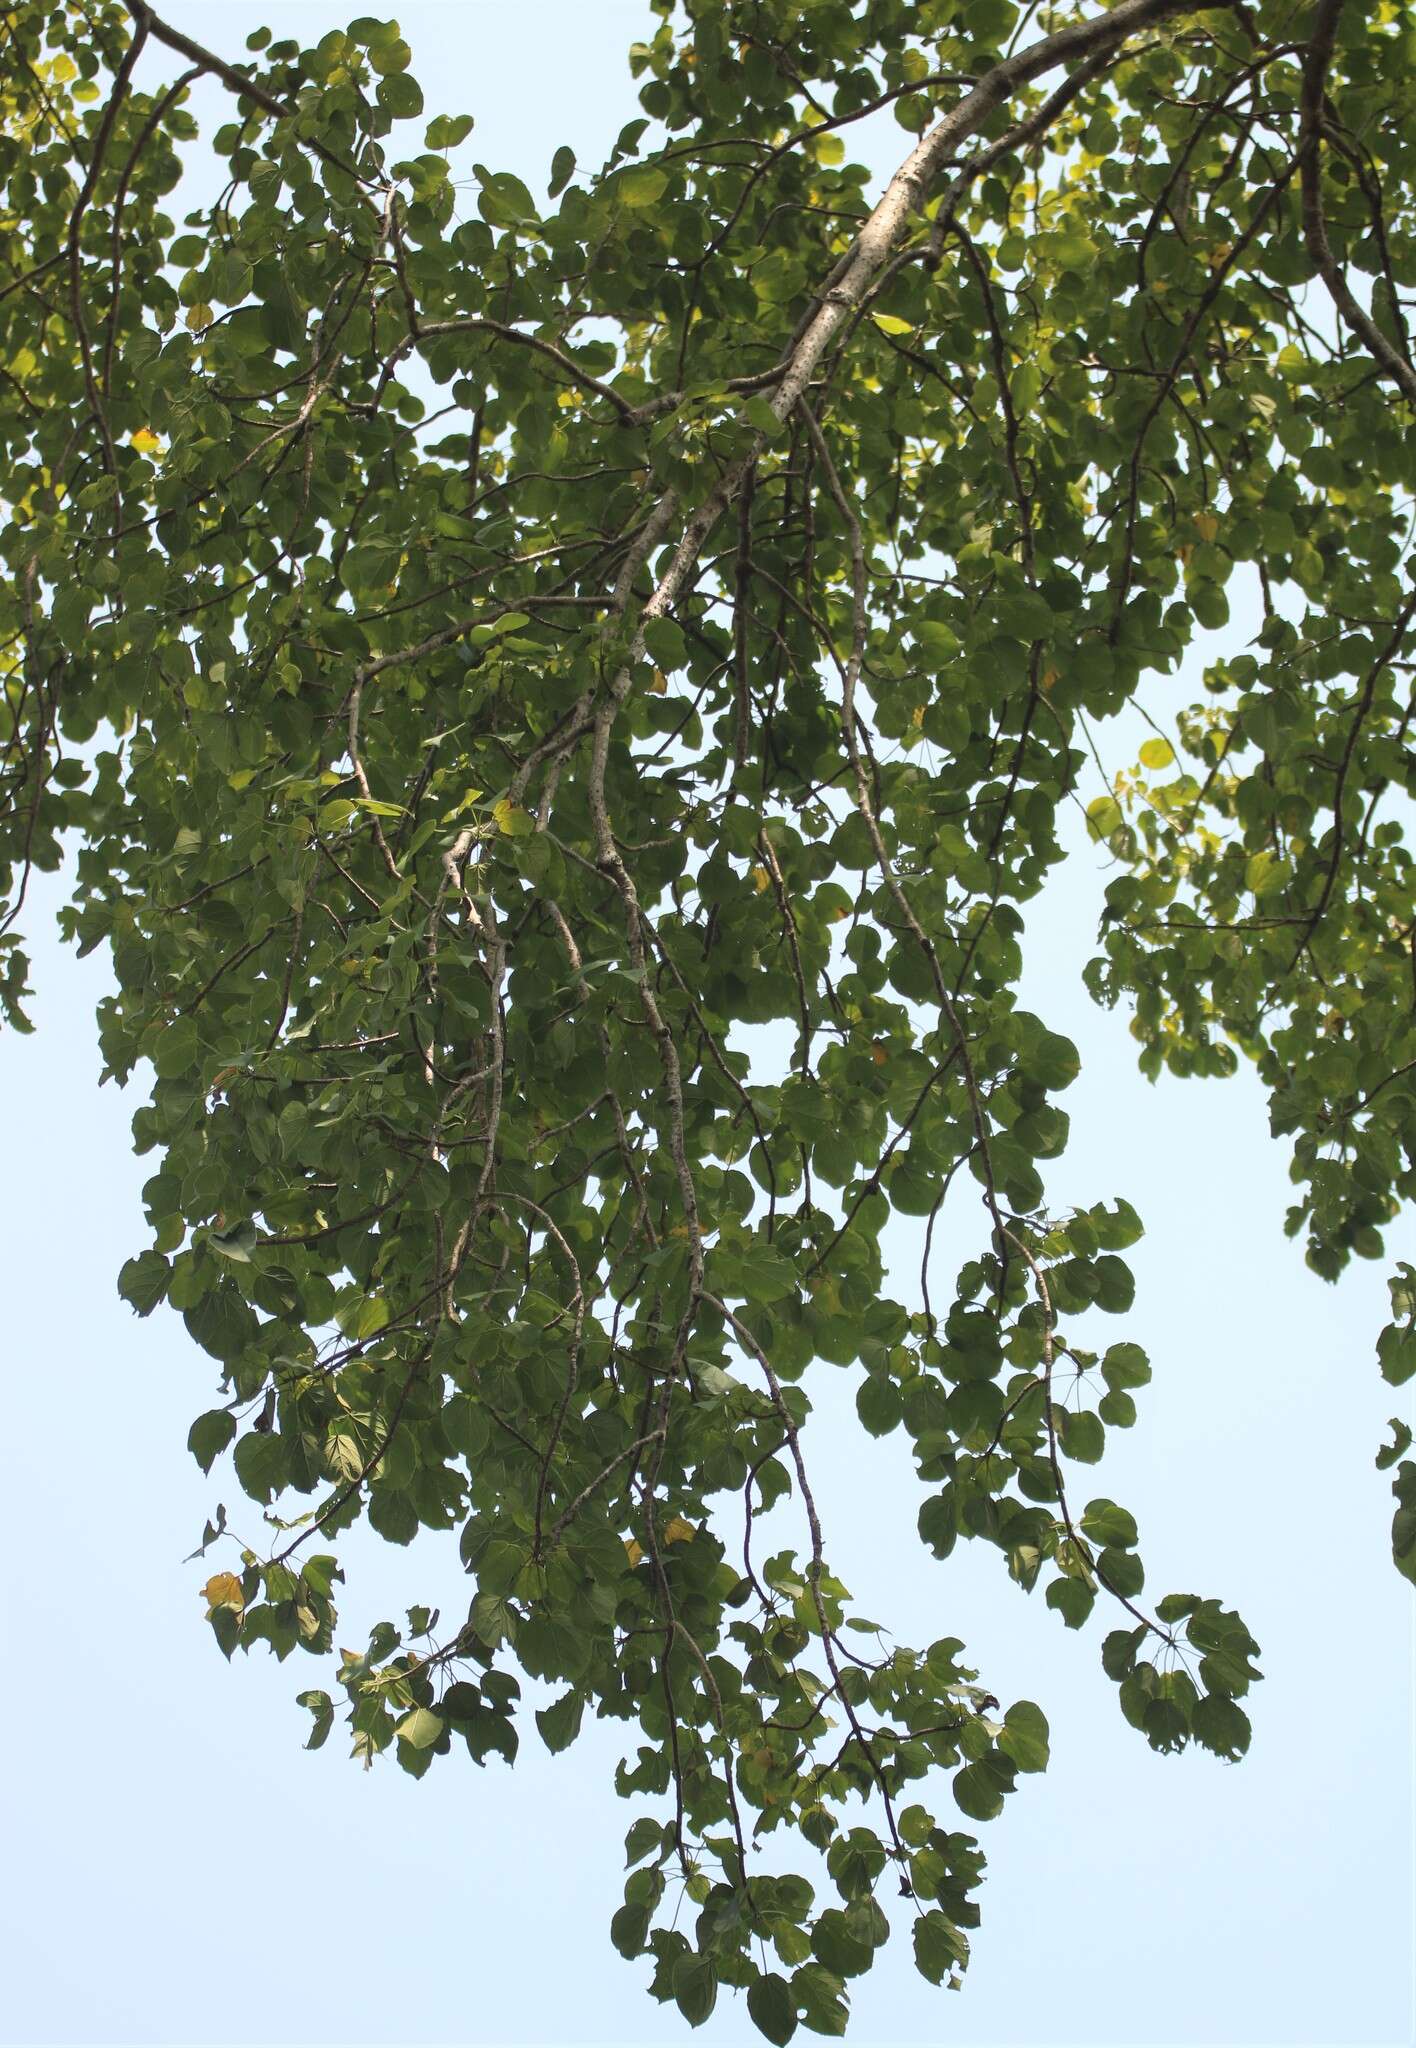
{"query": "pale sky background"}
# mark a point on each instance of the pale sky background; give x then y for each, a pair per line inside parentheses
(179, 1870)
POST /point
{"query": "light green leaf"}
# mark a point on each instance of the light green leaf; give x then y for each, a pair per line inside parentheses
(420, 1729)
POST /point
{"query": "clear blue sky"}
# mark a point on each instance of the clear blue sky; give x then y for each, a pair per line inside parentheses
(179, 1870)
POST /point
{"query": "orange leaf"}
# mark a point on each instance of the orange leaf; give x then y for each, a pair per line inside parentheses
(223, 1590)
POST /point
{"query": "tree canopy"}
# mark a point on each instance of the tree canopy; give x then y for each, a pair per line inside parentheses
(489, 650)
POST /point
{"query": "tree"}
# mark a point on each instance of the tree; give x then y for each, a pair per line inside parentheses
(486, 665)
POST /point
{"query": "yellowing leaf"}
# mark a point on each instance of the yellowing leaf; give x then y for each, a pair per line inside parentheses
(633, 1552)
(1103, 817)
(1157, 753)
(1206, 525)
(761, 879)
(512, 820)
(146, 441)
(678, 1530)
(888, 324)
(223, 1590)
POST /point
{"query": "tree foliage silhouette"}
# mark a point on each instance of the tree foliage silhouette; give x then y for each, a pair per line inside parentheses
(487, 661)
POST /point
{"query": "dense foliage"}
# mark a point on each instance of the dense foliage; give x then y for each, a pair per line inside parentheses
(485, 661)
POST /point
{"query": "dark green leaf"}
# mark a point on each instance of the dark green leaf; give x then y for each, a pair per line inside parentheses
(772, 2008)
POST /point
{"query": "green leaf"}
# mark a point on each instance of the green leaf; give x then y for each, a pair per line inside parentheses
(209, 1435)
(560, 1722)
(1073, 1599)
(1054, 1061)
(1398, 1447)
(751, 1272)
(1118, 1652)
(501, 1565)
(1221, 1726)
(645, 1838)
(1175, 1607)
(695, 1987)
(364, 1317)
(641, 186)
(820, 1999)
(878, 1404)
(1124, 1366)
(1025, 1736)
(666, 643)
(1121, 1572)
(445, 131)
(503, 200)
(262, 1464)
(1105, 1523)
(1396, 1352)
(939, 1946)
(1083, 1436)
(1403, 1524)
(629, 1929)
(390, 55)
(562, 171)
(772, 2008)
(837, 1947)
(762, 416)
(144, 1281)
(235, 1244)
(977, 1793)
(420, 1729)
(322, 1708)
(401, 95)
